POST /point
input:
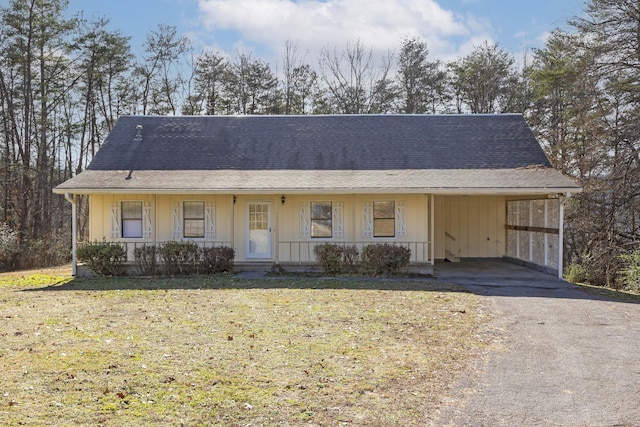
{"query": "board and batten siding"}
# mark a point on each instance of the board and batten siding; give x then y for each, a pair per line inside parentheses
(470, 226)
(466, 226)
(160, 209)
(295, 244)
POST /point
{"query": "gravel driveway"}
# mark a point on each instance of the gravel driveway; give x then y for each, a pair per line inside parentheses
(561, 358)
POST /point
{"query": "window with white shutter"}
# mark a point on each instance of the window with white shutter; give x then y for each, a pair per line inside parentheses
(210, 220)
(401, 219)
(305, 221)
(147, 225)
(176, 221)
(338, 220)
(115, 220)
(367, 220)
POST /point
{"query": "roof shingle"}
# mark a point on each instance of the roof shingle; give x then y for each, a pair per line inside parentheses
(327, 142)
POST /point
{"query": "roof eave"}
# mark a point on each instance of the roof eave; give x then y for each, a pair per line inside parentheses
(506, 191)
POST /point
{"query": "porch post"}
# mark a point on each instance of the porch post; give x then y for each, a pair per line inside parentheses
(74, 220)
(432, 233)
(276, 229)
(562, 198)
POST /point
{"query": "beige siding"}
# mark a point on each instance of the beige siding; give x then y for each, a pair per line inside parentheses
(100, 213)
(467, 226)
(161, 215)
(470, 226)
(296, 247)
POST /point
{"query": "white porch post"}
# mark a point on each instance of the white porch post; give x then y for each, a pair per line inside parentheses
(432, 233)
(74, 232)
(561, 200)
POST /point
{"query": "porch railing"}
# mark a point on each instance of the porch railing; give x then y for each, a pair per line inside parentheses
(302, 252)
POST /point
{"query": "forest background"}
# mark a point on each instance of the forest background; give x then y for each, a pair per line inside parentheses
(65, 81)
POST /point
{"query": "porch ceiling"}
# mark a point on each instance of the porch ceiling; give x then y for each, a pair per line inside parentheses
(440, 181)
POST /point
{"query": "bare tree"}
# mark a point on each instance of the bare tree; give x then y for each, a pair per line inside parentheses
(355, 83)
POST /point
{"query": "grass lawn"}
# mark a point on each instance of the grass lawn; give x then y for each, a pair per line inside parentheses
(224, 351)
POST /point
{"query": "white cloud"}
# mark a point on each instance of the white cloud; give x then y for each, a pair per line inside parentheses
(315, 24)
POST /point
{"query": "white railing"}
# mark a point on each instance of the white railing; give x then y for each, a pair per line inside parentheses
(302, 252)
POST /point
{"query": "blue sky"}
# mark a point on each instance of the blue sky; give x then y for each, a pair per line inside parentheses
(451, 28)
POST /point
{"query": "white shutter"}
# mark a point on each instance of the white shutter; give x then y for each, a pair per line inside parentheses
(367, 220)
(177, 221)
(401, 219)
(210, 221)
(338, 220)
(305, 220)
(147, 227)
(115, 220)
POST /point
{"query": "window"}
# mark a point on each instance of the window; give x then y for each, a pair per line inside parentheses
(321, 219)
(131, 213)
(193, 214)
(384, 222)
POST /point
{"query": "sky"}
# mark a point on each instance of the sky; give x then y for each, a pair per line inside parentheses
(451, 28)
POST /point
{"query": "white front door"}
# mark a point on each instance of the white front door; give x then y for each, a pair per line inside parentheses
(259, 232)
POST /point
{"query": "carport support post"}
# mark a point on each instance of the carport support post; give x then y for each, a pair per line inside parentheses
(562, 198)
(74, 232)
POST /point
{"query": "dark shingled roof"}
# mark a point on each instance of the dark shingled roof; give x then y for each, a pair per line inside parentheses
(326, 142)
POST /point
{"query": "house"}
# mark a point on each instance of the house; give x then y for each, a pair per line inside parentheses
(273, 187)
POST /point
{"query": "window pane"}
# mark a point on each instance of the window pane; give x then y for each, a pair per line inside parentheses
(321, 222)
(193, 219)
(131, 210)
(384, 209)
(194, 210)
(321, 228)
(320, 210)
(132, 228)
(131, 219)
(193, 228)
(384, 228)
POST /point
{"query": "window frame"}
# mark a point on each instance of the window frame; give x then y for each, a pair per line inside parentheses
(313, 219)
(124, 220)
(378, 219)
(186, 218)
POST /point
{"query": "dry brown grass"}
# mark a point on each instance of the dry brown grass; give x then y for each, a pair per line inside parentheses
(224, 351)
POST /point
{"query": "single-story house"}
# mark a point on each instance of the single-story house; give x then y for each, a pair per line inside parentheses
(273, 187)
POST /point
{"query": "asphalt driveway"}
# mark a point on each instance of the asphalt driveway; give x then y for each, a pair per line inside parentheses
(560, 357)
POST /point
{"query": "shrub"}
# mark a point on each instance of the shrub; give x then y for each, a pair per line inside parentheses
(384, 259)
(631, 270)
(217, 260)
(8, 247)
(334, 259)
(180, 258)
(146, 258)
(578, 271)
(105, 259)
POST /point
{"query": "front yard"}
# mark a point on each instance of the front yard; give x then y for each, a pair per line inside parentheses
(224, 351)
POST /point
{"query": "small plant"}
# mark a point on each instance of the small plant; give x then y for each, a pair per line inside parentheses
(334, 259)
(384, 259)
(104, 259)
(180, 258)
(217, 260)
(631, 271)
(146, 258)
